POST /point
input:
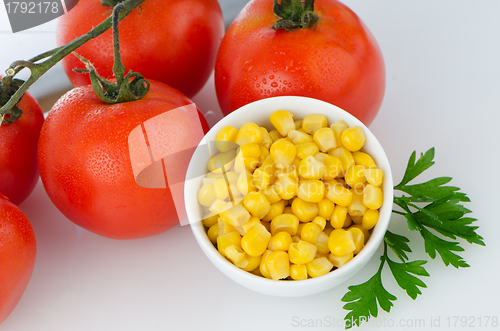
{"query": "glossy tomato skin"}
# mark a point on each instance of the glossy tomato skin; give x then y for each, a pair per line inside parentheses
(85, 166)
(338, 61)
(171, 41)
(18, 155)
(17, 255)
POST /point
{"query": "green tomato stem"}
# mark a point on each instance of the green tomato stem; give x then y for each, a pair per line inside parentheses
(294, 14)
(56, 55)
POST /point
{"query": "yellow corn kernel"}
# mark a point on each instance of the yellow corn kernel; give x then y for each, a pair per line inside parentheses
(370, 218)
(355, 176)
(250, 150)
(242, 163)
(298, 271)
(283, 153)
(358, 238)
(353, 138)
(355, 219)
(325, 139)
(264, 153)
(322, 243)
(314, 122)
(319, 254)
(339, 195)
(280, 241)
(278, 265)
(339, 261)
(310, 232)
(267, 141)
(340, 242)
(366, 233)
(232, 176)
(257, 272)
(302, 252)
(219, 206)
(283, 121)
(295, 239)
(276, 209)
(311, 190)
(206, 195)
(275, 135)
(213, 233)
(226, 240)
(288, 210)
(256, 240)
(243, 229)
(299, 137)
(320, 221)
(364, 159)
(286, 187)
(236, 215)
(263, 264)
(225, 139)
(304, 210)
(333, 165)
(267, 225)
(235, 254)
(356, 208)
(307, 149)
(244, 183)
(310, 168)
(271, 194)
(221, 189)
(285, 222)
(338, 127)
(249, 133)
(348, 220)
(374, 177)
(299, 228)
(250, 263)
(345, 157)
(223, 159)
(325, 208)
(373, 197)
(224, 228)
(257, 204)
(210, 219)
(319, 267)
(298, 124)
(290, 171)
(338, 217)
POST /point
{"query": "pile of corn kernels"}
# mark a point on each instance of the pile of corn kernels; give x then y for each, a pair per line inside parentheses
(292, 203)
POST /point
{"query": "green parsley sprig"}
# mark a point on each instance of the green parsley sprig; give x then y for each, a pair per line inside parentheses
(436, 212)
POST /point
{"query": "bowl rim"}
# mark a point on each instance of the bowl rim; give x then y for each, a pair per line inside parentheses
(353, 265)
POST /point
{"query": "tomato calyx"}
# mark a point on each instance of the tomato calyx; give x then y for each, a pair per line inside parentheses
(294, 14)
(129, 87)
(8, 87)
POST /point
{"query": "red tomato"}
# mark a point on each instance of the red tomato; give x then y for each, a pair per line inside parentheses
(338, 61)
(85, 166)
(17, 255)
(18, 144)
(174, 42)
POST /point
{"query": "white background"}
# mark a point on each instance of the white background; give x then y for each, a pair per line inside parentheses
(443, 90)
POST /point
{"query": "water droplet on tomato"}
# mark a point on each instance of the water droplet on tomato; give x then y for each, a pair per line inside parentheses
(271, 77)
(274, 84)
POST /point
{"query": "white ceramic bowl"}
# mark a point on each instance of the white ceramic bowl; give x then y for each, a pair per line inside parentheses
(259, 112)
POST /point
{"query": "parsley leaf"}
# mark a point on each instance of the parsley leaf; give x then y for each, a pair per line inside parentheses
(363, 298)
(398, 244)
(435, 211)
(402, 273)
